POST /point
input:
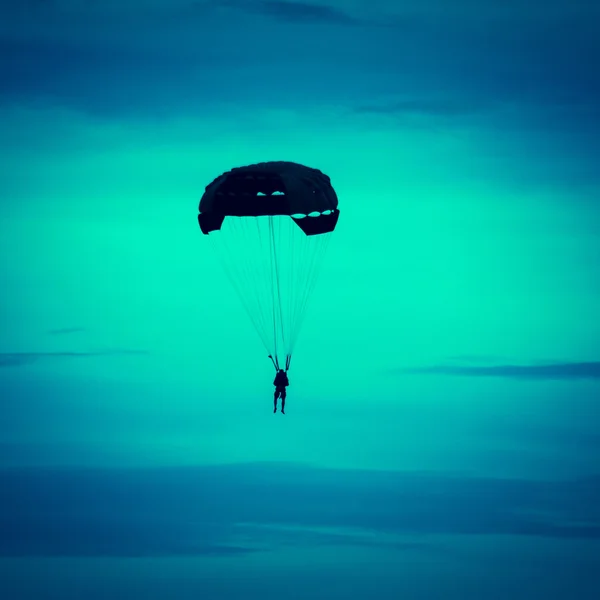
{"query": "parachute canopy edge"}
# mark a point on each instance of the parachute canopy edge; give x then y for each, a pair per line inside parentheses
(310, 225)
(269, 189)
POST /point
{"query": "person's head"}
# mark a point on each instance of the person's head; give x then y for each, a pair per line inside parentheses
(281, 371)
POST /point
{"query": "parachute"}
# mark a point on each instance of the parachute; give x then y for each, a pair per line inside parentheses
(270, 224)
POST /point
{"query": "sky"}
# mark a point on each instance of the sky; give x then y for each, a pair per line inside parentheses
(442, 426)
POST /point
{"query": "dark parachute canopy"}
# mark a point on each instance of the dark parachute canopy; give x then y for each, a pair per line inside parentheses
(270, 224)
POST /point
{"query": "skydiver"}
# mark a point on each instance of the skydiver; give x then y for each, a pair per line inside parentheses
(281, 382)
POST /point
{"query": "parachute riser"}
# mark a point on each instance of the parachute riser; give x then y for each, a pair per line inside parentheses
(275, 361)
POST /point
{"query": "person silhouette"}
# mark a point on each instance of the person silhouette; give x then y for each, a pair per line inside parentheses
(281, 382)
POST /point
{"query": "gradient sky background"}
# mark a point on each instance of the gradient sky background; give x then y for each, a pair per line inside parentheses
(442, 426)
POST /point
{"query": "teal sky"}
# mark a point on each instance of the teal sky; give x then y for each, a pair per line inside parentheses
(454, 329)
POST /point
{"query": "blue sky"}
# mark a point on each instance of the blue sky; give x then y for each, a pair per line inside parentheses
(454, 327)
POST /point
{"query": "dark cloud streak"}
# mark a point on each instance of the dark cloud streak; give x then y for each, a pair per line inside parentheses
(431, 107)
(295, 12)
(556, 371)
(18, 359)
(66, 330)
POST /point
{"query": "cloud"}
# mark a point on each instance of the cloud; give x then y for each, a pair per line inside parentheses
(275, 536)
(80, 56)
(99, 537)
(296, 12)
(474, 358)
(554, 371)
(17, 359)
(439, 107)
(176, 511)
(530, 82)
(515, 429)
(66, 330)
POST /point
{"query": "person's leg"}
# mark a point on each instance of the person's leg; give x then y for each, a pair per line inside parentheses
(275, 395)
(283, 395)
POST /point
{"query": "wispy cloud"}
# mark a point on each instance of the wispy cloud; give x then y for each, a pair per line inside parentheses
(554, 371)
(17, 359)
(66, 330)
(289, 535)
(197, 510)
(431, 106)
(297, 12)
